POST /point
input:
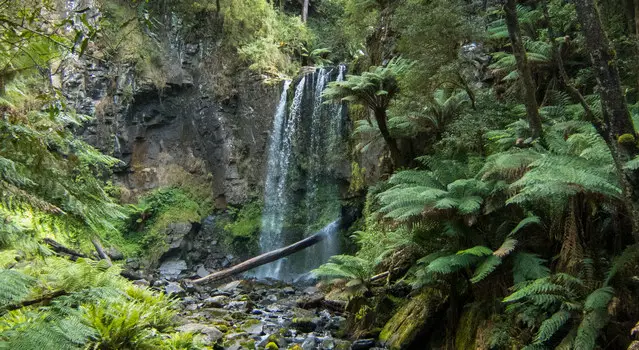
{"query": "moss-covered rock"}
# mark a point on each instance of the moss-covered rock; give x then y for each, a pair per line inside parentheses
(413, 319)
(304, 324)
(272, 346)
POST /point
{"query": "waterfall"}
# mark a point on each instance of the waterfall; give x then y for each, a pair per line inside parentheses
(301, 192)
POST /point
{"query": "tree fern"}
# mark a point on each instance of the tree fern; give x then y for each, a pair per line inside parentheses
(14, 287)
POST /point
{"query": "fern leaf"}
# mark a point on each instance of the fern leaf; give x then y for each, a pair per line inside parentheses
(486, 268)
(551, 325)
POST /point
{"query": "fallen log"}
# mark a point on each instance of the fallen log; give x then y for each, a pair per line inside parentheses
(59, 248)
(265, 258)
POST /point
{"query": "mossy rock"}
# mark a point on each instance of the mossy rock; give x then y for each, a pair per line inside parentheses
(304, 324)
(272, 346)
(413, 319)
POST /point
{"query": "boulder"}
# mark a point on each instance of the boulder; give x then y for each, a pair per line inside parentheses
(171, 269)
(304, 325)
(173, 288)
(413, 319)
(217, 301)
(211, 334)
(363, 344)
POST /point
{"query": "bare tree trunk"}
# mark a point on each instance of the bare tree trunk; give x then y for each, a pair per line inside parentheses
(264, 258)
(305, 11)
(525, 74)
(616, 117)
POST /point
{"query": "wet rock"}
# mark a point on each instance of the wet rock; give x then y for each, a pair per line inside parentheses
(217, 301)
(171, 269)
(141, 283)
(253, 328)
(202, 271)
(304, 325)
(211, 334)
(310, 343)
(310, 301)
(160, 283)
(231, 286)
(175, 233)
(288, 290)
(114, 254)
(363, 344)
(173, 288)
(241, 306)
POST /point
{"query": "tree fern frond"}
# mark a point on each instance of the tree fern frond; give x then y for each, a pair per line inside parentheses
(528, 266)
(14, 287)
(551, 325)
(486, 268)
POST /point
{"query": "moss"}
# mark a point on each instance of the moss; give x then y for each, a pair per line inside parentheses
(626, 139)
(272, 346)
(222, 328)
(466, 331)
(295, 347)
(411, 319)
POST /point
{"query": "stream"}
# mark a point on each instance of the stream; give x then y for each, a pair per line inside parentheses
(252, 314)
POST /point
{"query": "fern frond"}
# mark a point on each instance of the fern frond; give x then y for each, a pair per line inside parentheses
(551, 325)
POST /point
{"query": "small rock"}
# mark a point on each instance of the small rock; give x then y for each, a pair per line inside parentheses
(173, 288)
(363, 344)
(310, 343)
(254, 329)
(311, 290)
(141, 283)
(114, 254)
(288, 290)
(217, 301)
(211, 334)
(271, 298)
(159, 283)
(256, 312)
(202, 271)
(231, 286)
(328, 344)
(238, 306)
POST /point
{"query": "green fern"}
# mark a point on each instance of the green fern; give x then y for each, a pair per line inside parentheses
(14, 287)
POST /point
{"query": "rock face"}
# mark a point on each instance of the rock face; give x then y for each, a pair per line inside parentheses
(413, 320)
(208, 120)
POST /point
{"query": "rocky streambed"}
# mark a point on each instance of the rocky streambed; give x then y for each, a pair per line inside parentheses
(249, 314)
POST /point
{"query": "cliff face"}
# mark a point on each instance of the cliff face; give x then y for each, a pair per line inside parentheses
(207, 119)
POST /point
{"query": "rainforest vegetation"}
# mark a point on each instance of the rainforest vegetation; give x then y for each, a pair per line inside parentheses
(494, 153)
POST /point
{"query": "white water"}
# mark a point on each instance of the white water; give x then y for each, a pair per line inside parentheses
(302, 147)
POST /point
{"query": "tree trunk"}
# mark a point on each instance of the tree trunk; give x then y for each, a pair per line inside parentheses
(525, 74)
(264, 258)
(616, 117)
(98, 248)
(59, 248)
(305, 11)
(636, 8)
(381, 118)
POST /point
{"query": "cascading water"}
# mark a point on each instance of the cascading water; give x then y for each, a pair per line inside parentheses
(301, 191)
